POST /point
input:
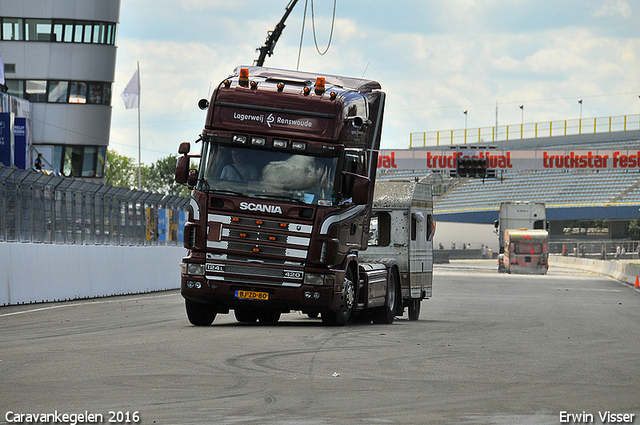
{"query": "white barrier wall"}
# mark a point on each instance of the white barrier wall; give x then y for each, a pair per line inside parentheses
(44, 272)
(619, 270)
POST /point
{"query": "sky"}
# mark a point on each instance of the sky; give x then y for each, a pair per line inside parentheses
(433, 58)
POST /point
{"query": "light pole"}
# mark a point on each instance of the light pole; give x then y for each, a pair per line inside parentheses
(465, 125)
(580, 122)
(522, 121)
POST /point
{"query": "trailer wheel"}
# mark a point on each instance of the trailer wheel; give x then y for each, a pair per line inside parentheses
(414, 309)
(386, 314)
(200, 314)
(245, 315)
(347, 301)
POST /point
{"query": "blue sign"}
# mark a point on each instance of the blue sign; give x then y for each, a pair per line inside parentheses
(162, 225)
(21, 148)
(5, 138)
(182, 220)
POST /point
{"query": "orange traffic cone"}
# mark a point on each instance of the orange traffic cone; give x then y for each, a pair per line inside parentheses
(637, 285)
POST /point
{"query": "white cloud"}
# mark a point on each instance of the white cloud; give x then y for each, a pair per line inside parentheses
(430, 70)
(610, 8)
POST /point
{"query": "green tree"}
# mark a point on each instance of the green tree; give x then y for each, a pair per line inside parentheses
(163, 174)
(158, 177)
(120, 170)
(633, 228)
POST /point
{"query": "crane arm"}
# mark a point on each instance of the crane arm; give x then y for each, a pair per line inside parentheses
(273, 36)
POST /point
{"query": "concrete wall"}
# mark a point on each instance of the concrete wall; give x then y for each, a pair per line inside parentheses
(620, 270)
(32, 273)
(465, 233)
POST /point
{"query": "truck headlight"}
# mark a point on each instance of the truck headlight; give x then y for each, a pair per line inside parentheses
(195, 269)
(318, 279)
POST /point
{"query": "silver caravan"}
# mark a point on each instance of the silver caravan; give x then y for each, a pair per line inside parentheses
(401, 232)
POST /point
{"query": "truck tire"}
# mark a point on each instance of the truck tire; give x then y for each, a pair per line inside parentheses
(414, 309)
(245, 315)
(347, 301)
(385, 314)
(200, 314)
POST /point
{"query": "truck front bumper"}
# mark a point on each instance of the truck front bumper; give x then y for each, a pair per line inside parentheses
(227, 296)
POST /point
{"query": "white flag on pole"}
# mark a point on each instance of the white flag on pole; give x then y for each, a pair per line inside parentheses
(1, 71)
(131, 93)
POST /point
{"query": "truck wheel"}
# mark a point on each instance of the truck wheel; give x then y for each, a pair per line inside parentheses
(385, 315)
(347, 301)
(414, 309)
(269, 316)
(245, 315)
(200, 314)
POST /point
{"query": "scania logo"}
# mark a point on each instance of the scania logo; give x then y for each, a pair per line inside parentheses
(250, 206)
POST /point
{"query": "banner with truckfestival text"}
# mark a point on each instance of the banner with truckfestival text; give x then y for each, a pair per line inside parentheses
(518, 159)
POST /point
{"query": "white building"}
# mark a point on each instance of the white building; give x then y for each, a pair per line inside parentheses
(61, 56)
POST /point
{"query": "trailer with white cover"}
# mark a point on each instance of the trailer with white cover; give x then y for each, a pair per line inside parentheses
(401, 233)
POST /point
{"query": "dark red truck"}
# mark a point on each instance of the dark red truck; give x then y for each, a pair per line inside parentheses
(282, 199)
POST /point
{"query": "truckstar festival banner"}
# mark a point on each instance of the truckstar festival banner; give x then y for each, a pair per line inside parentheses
(520, 159)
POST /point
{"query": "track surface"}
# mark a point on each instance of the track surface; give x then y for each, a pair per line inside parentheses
(489, 348)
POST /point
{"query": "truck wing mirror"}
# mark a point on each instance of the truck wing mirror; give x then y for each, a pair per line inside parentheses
(185, 148)
(182, 169)
(193, 178)
(361, 188)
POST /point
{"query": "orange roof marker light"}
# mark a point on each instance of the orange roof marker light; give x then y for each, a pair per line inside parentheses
(243, 79)
(320, 81)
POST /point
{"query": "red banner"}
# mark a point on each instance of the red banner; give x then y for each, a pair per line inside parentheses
(517, 159)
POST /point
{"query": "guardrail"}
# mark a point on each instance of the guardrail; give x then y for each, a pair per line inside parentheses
(42, 208)
(525, 131)
(601, 250)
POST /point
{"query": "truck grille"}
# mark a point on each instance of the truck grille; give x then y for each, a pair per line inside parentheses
(257, 251)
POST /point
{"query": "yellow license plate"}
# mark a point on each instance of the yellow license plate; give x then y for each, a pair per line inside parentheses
(252, 295)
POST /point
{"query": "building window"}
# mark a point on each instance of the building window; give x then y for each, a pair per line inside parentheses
(63, 31)
(36, 90)
(78, 93)
(57, 30)
(79, 161)
(96, 93)
(37, 29)
(15, 88)
(58, 91)
(12, 29)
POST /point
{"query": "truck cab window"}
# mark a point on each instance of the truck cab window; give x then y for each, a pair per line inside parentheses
(265, 174)
(352, 164)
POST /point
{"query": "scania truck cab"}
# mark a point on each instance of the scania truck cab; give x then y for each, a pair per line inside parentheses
(282, 198)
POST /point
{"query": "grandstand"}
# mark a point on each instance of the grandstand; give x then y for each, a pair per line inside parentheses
(606, 194)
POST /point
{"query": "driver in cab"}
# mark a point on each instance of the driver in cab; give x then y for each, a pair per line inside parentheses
(239, 169)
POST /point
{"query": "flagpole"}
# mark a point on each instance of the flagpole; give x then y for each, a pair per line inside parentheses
(139, 156)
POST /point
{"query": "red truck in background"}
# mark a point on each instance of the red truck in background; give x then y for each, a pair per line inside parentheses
(282, 201)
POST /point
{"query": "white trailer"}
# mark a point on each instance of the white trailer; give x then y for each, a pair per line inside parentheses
(518, 215)
(526, 251)
(401, 233)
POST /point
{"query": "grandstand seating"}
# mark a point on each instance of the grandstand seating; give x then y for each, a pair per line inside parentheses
(556, 188)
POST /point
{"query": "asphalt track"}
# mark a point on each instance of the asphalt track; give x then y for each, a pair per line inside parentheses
(489, 348)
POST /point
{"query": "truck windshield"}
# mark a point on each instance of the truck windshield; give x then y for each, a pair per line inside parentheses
(267, 174)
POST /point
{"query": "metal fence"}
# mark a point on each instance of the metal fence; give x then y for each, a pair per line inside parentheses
(40, 208)
(600, 250)
(525, 130)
